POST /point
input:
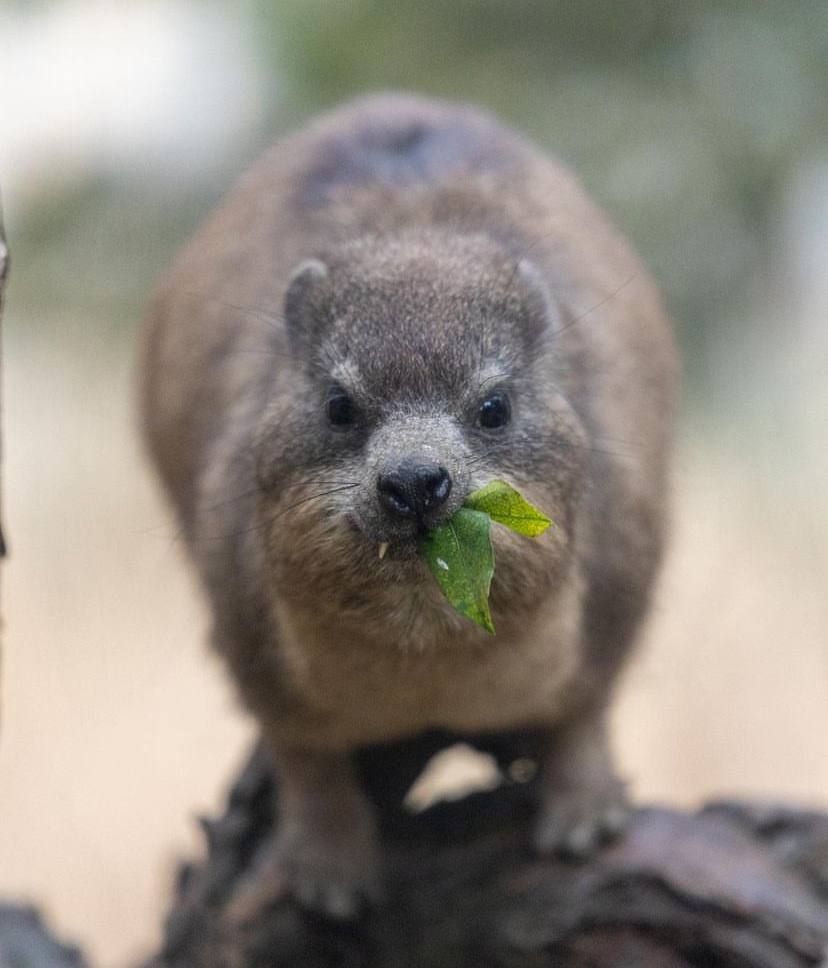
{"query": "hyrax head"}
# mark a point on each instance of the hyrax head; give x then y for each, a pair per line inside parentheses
(422, 368)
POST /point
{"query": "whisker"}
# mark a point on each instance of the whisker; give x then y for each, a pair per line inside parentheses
(274, 320)
(314, 497)
(598, 305)
(320, 480)
(258, 526)
(233, 499)
(226, 537)
(529, 248)
(492, 379)
(290, 486)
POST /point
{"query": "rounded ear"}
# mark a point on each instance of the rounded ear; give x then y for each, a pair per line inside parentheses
(544, 310)
(303, 302)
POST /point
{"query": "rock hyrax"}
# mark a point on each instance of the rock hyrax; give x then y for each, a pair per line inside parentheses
(396, 305)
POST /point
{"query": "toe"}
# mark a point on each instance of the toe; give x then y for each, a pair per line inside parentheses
(577, 825)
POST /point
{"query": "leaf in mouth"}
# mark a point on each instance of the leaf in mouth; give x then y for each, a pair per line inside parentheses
(459, 552)
(508, 507)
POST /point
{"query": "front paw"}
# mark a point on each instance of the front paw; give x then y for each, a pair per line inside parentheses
(336, 879)
(577, 822)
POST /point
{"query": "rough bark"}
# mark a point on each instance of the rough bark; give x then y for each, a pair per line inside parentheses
(731, 885)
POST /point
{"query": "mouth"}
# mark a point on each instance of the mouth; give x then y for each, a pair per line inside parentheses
(388, 547)
(406, 549)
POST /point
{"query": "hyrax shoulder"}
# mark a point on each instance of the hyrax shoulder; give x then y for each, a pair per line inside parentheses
(396, 305)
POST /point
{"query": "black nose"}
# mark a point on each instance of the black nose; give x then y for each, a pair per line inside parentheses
(413, 490)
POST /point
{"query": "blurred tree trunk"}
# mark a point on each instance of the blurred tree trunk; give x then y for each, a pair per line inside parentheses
(731, 886)
(4, 270)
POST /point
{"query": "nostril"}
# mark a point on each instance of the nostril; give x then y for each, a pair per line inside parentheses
(395, 495)
(434, 485)
(414, 490)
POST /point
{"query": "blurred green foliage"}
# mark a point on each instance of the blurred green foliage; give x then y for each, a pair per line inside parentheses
(682, 118)
(98, 245)
(685, 119)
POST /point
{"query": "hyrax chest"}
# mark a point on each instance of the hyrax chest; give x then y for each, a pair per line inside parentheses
(363, 687)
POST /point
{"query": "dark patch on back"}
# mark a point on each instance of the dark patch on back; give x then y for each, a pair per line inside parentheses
(397, 153)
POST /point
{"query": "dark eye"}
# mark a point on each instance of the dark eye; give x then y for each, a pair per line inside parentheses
(340, 408)
(495, 412)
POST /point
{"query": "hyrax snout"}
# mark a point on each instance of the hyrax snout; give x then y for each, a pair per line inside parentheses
(414, 491)
(398, 304)
(418, 478)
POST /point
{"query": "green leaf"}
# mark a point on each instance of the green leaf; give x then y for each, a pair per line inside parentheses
(459, 554)
(503, 504)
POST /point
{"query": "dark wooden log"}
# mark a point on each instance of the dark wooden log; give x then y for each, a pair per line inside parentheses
(729, 886)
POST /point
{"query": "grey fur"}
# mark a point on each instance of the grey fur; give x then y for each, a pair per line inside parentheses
(417, 256)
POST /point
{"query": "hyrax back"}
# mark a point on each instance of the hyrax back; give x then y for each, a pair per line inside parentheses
(395, 306)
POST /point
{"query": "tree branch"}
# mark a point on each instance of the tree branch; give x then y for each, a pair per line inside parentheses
(731, 885)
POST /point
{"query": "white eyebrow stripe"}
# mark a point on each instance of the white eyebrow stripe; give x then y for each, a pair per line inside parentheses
(490, 374)
(346, 372)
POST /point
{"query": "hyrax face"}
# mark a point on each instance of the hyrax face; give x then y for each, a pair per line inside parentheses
(420, 369)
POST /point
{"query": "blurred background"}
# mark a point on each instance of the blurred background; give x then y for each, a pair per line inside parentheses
(701, 125)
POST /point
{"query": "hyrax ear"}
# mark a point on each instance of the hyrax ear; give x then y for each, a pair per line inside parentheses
(304, 302)
(537, 301)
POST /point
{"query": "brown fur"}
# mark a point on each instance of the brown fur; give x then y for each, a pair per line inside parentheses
(447, 256)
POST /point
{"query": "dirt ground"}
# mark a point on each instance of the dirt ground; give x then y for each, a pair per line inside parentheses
(118, 728)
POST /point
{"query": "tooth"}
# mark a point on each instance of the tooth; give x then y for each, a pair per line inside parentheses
(382, 549)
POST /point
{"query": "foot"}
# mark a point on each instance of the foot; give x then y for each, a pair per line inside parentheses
(576, 823)
(325, 853)
(583, 804)
(337, 881)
